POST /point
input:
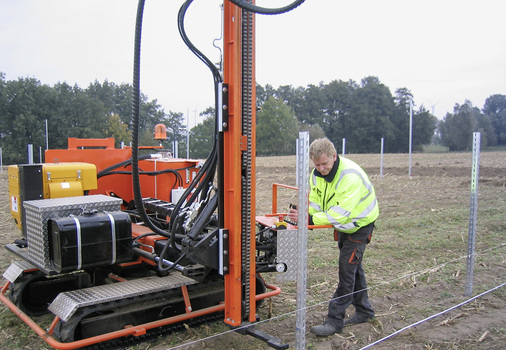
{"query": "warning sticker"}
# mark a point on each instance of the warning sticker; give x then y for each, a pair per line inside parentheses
(14, 203)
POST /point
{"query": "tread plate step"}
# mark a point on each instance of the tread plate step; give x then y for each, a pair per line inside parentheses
(67, 303)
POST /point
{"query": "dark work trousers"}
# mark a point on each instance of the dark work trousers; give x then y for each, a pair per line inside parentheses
(351, 277)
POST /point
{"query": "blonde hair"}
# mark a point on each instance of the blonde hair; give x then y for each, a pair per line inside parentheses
(321, 146)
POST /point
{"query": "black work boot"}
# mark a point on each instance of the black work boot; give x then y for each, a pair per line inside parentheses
(356, 319)
(325, 329)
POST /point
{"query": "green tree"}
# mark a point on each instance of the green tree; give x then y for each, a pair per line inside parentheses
(119, 130)
(117, 99)
(373, 104)
(26, 104)
(337, 108)
(315, 131)
(277, 129)
(175, 126)
(202, 136)
(456, 129)
(424, 125)
(101, 110)
(486, 129)
(76, 115)
(146, 138)
(263, 93)
(495, 109)
(294, 97)
(400, 119)
(313, 110)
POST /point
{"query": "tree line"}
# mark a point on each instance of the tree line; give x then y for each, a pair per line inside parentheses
(366, 112)
(456, 129)
(361, 113)
(101, 110)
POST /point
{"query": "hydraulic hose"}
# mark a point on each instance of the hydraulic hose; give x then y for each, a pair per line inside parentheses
(191, 46)
(135, 139)
(178, 182)
(107, 170)
(135, 116)
(244, 4)
(206, 175)
(204, 178)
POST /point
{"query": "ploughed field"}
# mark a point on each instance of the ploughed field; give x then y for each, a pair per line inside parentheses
(415, 264)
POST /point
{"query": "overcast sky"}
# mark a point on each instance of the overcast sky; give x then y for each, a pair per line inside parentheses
(443, 51)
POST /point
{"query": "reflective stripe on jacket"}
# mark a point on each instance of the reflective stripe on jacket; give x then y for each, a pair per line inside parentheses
(348, 202)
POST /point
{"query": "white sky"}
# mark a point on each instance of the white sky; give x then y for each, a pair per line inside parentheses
(444, 51)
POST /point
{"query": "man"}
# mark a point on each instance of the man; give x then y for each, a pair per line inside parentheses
(342, 195)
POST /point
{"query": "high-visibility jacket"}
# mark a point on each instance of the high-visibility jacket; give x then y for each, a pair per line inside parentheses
(348, 202)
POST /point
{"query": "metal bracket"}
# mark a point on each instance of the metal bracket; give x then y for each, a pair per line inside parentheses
(224, 107)
(224, 262)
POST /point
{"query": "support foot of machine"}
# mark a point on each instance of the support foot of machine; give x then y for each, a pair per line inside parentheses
(272, 341)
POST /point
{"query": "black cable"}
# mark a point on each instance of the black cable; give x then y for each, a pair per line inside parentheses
(135, 116)
(210, 165)
(127, 162)
(205, 177)
(179, 178)
(174, 264)
(207, 172)
(193, 48)
(244, 4)
(263, 230)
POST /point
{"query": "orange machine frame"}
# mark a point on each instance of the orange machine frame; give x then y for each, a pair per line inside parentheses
(138, 330)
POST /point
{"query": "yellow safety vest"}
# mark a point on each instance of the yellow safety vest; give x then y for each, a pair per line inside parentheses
(348, 202)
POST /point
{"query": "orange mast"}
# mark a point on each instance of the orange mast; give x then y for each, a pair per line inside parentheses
(238, 163)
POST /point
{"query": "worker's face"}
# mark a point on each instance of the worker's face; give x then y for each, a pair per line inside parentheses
(324, 164)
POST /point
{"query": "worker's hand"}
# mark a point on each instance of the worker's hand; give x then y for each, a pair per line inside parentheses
(293, 215)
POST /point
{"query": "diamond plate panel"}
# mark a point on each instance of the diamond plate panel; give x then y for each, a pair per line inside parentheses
(16, 269)
(287, 253)
(67, 303)
(39, 212)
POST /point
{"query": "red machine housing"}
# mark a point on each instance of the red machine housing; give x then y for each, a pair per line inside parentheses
(103, 154)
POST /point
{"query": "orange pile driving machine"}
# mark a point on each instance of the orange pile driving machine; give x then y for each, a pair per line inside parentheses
(120, 247)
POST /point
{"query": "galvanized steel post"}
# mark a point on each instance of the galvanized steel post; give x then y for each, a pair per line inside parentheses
(302, 184)
(381, 163)
(473, 213)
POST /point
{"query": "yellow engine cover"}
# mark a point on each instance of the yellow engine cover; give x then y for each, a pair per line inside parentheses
(68, 179)
(45, 181)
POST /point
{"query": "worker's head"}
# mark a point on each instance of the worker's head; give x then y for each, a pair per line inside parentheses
(323, 154)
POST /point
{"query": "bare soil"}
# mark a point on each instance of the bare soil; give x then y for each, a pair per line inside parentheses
(416, 263)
